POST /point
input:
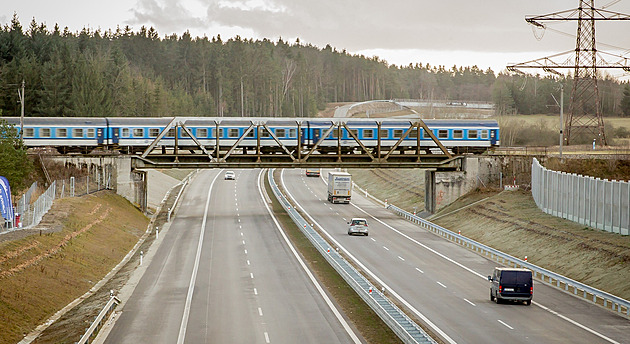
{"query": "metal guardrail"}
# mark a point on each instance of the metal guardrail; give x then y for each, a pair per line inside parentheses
(405, 328)
(98, 322)
(609, 301)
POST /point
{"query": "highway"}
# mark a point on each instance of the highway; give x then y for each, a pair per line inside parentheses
(224, 273)
(445, 283)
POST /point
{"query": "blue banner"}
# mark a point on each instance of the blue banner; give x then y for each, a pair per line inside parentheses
(6, 206)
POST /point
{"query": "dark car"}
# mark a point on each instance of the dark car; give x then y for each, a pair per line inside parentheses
(511, 284)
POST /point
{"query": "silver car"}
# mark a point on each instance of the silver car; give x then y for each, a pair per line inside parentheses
(358, 225)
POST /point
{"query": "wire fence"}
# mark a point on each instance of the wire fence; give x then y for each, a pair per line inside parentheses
(29, 214)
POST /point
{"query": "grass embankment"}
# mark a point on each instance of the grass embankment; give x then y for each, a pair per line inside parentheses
(42, 272)
(402, 187)
(369, 325)
(511, 222)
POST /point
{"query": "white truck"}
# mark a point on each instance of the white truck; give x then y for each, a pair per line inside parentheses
(339, 187)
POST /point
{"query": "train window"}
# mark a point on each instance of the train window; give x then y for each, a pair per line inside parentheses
(252, 133)
(355, 132)
(335, 133)
(124, 132)
(45, 132)
(413, 134)
(398, 133)
(484, 134)
(138, 132)
(264, 133)
(184, 133)
(442, 134)
(91, 133)
(61, 132)
(213, 132)
(425, 134)
(472, 134)
(280, 133)
(368, 133)
(202, 132)
(77, 132)
(170, 133)
(233, 132)
(154, 132)
(292, 133)
(29, 132)
(458, 134)
(384, 134)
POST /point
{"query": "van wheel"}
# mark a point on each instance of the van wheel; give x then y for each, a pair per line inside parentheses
(498, 299)
(491, 296)
(528, 302)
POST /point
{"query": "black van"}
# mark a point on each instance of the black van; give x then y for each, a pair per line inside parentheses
(511, 284)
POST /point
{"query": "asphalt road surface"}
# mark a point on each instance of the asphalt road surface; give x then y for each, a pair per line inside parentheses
(225, 274)
(447, 284)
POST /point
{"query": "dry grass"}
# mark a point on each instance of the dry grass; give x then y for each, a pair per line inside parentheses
(43, 272)
(511, 222)
(402, 187)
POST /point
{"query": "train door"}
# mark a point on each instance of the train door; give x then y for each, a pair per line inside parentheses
(100, 136)
(493, 137)
(115, 136)
(317, 133)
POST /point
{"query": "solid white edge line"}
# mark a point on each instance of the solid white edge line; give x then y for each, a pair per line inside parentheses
(368, 271)
(319, 288)
(193, 278)
(482, 276)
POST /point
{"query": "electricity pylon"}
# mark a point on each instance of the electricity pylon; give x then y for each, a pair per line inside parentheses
(585, 114)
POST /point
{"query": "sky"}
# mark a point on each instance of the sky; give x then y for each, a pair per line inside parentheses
(485, 33)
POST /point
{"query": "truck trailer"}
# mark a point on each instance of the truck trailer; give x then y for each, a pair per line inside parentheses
(339, 187)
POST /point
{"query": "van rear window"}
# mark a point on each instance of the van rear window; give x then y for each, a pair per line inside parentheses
(516, 277)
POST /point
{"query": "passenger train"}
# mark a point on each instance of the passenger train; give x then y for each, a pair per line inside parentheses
(134, 135)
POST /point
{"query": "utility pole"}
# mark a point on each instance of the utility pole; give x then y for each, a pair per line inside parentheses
(21, 96)
(561, 114)
(585, 115)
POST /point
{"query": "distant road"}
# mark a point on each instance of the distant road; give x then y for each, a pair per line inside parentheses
(447, 283)
(248, 287)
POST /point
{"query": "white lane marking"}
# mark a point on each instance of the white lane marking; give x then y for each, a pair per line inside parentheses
(470, 302)
(260, 311)
(243, 242)
(401, 258)
(241, 233)
(576, 323)
(245, 251)
(373, 239)
(319, 288)
(344, 219)
(420, 271)
(438, 282)
(251, 275)
(239, 220)
(385, 248)
(237, 214)
(467, 269)
(248, 262)
(255, 291)
(240, 227)
(368, 271)
(267, 338)
(506, 325)
(193, 278)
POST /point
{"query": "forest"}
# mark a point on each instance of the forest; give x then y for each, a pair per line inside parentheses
(120, 72)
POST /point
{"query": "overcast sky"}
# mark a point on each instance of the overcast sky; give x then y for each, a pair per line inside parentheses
(486, 33)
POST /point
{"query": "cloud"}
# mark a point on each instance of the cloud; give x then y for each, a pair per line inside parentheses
(489, 25)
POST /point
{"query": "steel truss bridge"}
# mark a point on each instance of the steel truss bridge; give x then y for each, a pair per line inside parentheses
(167, 152)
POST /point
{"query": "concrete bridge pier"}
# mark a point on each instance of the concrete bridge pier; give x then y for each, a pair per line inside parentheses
(443, 188)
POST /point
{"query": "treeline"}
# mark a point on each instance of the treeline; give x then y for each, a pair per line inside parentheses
(125, 73)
